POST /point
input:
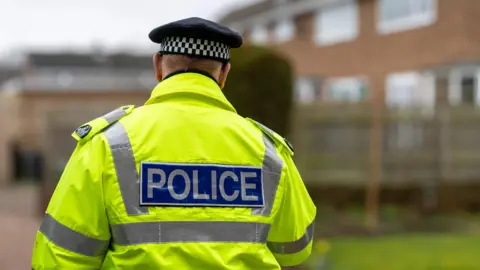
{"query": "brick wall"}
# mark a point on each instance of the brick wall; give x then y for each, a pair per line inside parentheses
(454, 37)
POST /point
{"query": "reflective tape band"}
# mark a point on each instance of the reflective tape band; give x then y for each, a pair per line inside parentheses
(191, 231)
(125, 168)
(295, 246)
(114, 115)
(71, 240)
(271, 170)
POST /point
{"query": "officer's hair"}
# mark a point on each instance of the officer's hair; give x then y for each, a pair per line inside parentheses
(178, 62)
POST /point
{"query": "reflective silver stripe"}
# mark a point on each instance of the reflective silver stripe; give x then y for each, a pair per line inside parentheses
(69, 239)
(266, 128)
(190, 231)
(271, 170)
(295, 246)
(114, 115)
(125, 168)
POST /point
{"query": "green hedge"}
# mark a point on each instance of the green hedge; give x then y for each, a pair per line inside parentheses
(260, 87)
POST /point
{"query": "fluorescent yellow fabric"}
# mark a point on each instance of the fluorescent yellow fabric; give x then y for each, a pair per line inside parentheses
(186, 120)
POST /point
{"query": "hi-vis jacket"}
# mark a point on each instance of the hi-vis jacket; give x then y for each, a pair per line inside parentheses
(183, 182)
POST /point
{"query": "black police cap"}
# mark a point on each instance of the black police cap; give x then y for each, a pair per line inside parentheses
(196, 37)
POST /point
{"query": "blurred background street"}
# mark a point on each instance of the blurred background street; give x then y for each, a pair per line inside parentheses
(18, 226)
(382, 108)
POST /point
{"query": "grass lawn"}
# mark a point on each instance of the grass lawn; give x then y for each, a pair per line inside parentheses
(405, 252)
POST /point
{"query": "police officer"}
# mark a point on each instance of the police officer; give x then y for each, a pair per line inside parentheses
(182, 182)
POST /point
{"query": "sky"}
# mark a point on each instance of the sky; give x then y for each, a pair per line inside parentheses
(81, 24)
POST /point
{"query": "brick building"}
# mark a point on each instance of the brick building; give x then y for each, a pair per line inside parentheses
(403, 52)
(73, 87)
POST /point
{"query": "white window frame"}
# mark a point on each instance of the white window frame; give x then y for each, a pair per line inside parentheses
(320, 39)
(408, 136)
(306, 90)
(407, 23)
(259, 34)
(339, 80)
(284, 30)
(397, 80)
(419, 99)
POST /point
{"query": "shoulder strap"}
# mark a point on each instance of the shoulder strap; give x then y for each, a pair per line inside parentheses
(276, 138)
(88, 130)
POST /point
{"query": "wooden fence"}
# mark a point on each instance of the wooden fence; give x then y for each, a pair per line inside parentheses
(428, 158)
(334, 142)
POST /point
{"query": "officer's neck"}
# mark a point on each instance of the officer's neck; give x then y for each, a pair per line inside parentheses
(190, 70)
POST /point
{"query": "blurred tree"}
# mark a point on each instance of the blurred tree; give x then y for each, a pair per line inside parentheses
(260, 86)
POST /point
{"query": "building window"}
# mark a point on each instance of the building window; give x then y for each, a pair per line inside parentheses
(410, 89)
(284, 30)
(394, 15)
(260, 34)
(27, 164)
(337, 23)
(346, 89)
(307, 90)
(464, 87)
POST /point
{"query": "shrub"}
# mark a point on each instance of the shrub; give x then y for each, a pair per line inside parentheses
(260, 87)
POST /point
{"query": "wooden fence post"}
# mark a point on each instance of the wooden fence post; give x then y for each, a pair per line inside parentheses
(373, 186)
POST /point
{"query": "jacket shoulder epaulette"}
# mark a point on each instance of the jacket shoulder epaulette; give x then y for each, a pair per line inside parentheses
(275, 137)
(88, 130)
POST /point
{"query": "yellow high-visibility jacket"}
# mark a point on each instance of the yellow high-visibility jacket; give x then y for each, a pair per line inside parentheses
(183, 182)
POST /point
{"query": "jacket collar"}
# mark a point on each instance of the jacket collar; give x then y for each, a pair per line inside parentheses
(191, 82)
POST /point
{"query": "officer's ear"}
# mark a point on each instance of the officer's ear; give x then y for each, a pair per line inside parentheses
(222, 79)
(157, 66)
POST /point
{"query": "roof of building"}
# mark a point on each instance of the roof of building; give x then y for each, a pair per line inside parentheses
(92, 60)
(80, 79)
(245, 12)
(7, 73)
(80, 72)
(267, 11)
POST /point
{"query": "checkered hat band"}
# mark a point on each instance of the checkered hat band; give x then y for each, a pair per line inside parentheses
(195, 47)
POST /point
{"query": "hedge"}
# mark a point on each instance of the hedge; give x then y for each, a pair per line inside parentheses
(260, 87)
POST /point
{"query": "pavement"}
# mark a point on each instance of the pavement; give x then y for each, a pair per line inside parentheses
(18, 226)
